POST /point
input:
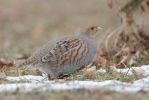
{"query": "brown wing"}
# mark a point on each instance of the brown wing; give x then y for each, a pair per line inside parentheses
(76, 55)
(62, 50)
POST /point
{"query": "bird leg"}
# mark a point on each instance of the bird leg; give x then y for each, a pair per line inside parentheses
(62, 76)
(51, 73)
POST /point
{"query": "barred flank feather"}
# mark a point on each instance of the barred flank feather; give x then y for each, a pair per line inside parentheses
(23, 63)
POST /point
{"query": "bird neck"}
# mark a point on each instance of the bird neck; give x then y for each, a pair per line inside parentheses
(85, 34)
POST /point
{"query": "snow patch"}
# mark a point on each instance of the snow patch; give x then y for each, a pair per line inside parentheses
(42, 83)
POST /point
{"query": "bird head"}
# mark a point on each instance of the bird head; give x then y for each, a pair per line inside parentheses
(91, 29)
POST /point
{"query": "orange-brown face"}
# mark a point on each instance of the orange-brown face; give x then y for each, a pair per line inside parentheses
(91, 29)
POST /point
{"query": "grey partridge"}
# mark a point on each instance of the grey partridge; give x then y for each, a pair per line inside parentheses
(65, 54)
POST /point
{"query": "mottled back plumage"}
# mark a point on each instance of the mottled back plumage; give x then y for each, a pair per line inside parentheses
(65, 54)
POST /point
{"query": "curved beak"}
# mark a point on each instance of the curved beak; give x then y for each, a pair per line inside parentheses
(99, 28)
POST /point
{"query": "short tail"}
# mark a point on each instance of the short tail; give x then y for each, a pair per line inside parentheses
(21, 64)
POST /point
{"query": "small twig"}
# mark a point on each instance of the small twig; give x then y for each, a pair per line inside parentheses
(26, 79)
(126, 67)
(123, 60)
(107, 39)
(119, 31)
(120, 50)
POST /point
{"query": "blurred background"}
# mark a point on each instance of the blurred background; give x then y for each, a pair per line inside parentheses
(25, 25)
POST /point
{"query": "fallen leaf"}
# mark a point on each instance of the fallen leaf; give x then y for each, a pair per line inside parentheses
(112, 70)
(98, 60)
(4, 68)
(4, 62)
(90, 72)
(126, 51)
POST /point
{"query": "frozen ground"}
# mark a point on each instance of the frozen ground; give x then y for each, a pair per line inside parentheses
(41, 83)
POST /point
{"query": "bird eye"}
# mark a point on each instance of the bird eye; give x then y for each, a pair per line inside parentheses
(92, 28)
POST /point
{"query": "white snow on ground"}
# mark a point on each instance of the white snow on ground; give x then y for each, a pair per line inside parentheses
(42, 83)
